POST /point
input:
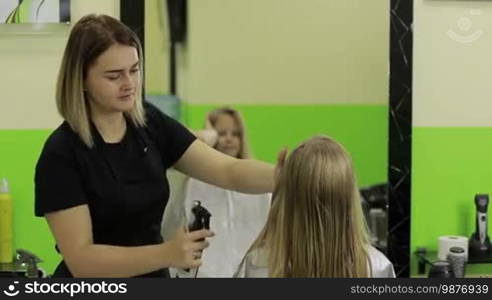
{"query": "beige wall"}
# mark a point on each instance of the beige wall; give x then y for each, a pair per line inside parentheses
(254, 51)
(30, 59)
(81, 8)
(452, 63)
(286, 51)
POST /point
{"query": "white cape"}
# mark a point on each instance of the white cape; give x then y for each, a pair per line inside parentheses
(255, 265)
(236, 220)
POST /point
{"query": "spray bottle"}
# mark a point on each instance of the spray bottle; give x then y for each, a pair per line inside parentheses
(6, 244)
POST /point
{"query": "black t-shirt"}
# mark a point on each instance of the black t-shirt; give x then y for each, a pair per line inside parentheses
(124, 184)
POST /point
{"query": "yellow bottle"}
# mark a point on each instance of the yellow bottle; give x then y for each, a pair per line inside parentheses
(6, 243)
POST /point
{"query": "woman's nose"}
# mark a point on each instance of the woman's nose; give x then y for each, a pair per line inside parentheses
(128, 82)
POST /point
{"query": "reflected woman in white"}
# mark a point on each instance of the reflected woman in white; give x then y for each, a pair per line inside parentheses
(315, 227)
(237, 218)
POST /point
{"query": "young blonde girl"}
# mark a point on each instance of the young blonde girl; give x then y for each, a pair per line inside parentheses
(316, 227)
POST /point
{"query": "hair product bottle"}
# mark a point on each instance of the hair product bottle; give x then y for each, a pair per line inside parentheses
(6, 245)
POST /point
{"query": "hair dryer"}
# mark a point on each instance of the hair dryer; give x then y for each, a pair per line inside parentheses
(201, 217)
(201, 220)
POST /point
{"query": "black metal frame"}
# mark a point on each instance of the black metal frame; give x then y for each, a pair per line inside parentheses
(132, 14)
(400, 135)
(64, 11)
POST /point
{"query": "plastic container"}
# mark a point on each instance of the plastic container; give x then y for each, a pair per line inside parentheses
(441, 269)
(457, 258)
(6, 241)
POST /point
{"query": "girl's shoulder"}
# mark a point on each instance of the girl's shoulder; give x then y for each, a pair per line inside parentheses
(254, 264)
(381, 266)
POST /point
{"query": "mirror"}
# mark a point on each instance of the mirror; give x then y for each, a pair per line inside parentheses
(294, 69)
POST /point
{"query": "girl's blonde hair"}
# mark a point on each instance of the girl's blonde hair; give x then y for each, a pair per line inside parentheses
(316, 227)
(89, 38)
(213, 116)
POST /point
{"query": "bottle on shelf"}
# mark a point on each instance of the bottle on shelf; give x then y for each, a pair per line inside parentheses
(6, 241)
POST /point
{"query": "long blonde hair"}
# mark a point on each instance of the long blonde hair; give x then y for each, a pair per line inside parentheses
(316, 226)
(213, 116)
(89, 38)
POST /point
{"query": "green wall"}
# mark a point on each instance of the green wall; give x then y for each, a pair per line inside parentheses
(362, 129)
(19, 152)
(449, 166)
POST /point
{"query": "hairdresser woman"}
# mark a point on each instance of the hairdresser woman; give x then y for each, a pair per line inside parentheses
(100, 180)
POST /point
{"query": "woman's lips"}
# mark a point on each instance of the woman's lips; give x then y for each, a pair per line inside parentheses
(126, 97)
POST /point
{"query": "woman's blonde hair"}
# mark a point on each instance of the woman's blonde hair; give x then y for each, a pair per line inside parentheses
(213, 116)
(316, 226)
(89, 38)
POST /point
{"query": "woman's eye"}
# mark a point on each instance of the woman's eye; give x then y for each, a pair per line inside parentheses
(135, 70)
(115, 77)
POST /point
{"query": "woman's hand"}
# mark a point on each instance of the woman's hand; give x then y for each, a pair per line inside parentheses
(185, 248)
(208, 123)
(208, 136)
(280, 163)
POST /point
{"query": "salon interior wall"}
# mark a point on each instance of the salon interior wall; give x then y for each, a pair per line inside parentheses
(30, 58)
(452, 117)
(293, 68)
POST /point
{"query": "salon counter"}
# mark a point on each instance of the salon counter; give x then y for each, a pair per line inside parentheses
(421, 266)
